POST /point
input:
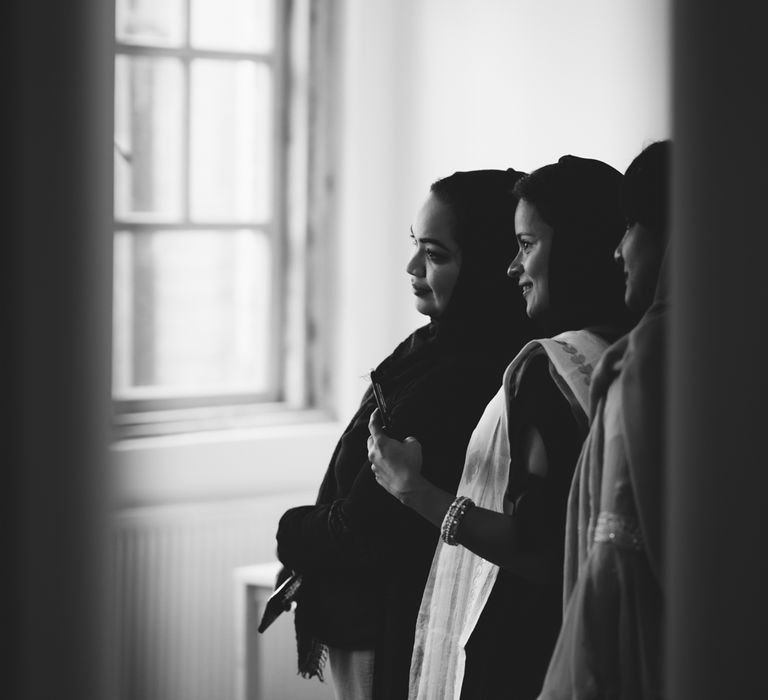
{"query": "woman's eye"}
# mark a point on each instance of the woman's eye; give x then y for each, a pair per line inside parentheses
(525, 245)
(434, 255)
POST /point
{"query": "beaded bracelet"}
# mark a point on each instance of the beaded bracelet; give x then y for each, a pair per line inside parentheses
(453, 518)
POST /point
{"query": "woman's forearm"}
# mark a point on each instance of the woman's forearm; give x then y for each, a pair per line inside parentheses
(428, 500)
(494, 536)
(490, 535)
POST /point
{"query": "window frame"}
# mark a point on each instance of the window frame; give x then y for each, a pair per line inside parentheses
(303, 65)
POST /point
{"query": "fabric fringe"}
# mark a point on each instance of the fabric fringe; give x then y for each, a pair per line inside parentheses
(313, 656)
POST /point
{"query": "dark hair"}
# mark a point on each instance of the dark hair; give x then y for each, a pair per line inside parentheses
(483, 204)
(580, 198)
(645, 190)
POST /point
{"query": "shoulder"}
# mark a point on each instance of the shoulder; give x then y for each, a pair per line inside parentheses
(555, 370)
(534, 384)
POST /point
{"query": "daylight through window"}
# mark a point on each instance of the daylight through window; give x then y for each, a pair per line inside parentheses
(200, 250)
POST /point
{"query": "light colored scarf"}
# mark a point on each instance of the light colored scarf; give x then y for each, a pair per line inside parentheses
(460, 582)
(641, 371)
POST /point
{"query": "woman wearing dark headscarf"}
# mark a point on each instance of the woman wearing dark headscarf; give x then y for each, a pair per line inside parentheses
(363, 556)
(610, 644)
(492, 607)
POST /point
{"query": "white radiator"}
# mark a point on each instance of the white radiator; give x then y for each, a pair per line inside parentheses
(174, 596)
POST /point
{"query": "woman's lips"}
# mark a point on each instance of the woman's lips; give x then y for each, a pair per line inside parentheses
(420, 291)
(526, 287)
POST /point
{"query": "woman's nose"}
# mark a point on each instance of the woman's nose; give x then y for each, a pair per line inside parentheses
(515, 268)
(415, 265)
(617, 256)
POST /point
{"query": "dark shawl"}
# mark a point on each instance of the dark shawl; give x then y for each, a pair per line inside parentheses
(364, 556)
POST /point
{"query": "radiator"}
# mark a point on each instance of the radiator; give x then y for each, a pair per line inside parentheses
(262, 658)
(173, 597)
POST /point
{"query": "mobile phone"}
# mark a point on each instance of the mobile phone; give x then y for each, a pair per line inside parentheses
(280, 601)
(379, 396)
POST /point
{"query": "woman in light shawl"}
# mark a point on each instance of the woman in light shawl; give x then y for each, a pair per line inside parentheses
(492, 606)
(610, 644)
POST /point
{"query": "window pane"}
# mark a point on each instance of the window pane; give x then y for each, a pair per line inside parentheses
(231, 149)
(153, 22)
(148, 136)
(192, 312)
(244, 25)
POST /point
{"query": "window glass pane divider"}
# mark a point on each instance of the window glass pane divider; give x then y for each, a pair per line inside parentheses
(279, 322)
(140, 400)
(190, 53)
(186, 140)
(156, 226)
(319, 384)
(186, 127)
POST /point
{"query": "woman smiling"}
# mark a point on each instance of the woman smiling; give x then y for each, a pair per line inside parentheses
(611, 640)
(491, 608)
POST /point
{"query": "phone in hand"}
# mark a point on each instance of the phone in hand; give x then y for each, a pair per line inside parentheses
(280, 601)
(379, 396)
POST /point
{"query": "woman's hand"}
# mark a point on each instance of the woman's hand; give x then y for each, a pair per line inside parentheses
(396, 465)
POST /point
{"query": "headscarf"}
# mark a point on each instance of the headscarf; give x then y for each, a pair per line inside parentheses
(645, 189)
(643, 379)
(643, 375)
(484, 319)
(581, 199)
(486, 311)
(642, 365)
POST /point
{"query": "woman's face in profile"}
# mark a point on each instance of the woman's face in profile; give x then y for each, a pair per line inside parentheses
(436, 261)
(640, 253)
(531, 264)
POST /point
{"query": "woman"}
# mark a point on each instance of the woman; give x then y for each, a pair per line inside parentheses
(491, 608)
(364, 557)
(611, 641)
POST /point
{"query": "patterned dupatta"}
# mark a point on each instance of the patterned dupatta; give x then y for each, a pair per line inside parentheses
(641, 370)
(460, 582)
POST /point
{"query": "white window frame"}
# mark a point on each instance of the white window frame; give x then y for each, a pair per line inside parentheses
(304, 66)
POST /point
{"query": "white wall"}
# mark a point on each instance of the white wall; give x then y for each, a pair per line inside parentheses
(429, 87)
(434, 86)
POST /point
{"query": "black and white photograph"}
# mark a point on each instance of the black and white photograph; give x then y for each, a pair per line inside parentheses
(385, 350)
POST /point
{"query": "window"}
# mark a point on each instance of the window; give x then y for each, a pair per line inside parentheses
(213, 205)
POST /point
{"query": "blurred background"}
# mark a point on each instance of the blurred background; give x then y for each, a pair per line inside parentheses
(210, 206)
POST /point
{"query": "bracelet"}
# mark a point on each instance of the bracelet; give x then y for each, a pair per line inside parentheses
(453, 518)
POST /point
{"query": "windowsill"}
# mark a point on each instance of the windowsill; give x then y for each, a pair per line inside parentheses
(318, 423)
(223, 420)
(217, 465)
